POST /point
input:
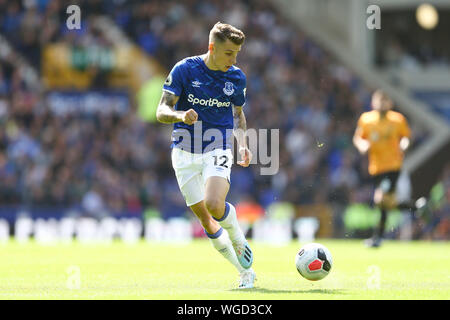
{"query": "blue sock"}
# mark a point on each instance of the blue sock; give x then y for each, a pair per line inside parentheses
(214, 235)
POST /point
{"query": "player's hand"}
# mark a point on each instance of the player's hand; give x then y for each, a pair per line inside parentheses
(190, 117)
(404, 143)
(363, 146)
(246, 156)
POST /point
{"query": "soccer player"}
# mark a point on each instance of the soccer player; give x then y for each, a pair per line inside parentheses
(203, 96)
(385, 135)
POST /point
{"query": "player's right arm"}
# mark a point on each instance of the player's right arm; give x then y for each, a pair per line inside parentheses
(361, 144)
(166, 112)
(359, 140)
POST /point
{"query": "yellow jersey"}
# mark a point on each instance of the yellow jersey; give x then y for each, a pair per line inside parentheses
(384, 134)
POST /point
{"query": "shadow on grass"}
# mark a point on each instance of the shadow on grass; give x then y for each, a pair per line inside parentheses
(277, 291)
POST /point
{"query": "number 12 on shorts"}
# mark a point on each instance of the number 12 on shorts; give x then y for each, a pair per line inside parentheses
(221, 161)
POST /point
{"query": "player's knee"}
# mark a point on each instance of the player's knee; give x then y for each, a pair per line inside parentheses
(389, 201)
(378, 197)
(215, 206)
(385, 200)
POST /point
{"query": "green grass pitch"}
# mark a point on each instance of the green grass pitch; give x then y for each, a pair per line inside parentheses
(397, 270)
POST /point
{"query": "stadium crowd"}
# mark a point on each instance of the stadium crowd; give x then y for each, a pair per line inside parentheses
(110, 164)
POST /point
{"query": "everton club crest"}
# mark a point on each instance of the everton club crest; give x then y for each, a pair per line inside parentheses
(228, 89)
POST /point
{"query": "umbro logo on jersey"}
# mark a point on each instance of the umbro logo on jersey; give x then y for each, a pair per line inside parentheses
(168, 81)
(196, 84)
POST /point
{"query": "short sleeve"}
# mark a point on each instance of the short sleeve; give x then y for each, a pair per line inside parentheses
(405, 131)
(239, 97)
(173, 82)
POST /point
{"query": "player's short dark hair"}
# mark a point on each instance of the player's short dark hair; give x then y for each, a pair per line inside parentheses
(381, 93)
(222, 31)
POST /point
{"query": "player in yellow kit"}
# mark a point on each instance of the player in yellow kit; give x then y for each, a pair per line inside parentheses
(385, 135)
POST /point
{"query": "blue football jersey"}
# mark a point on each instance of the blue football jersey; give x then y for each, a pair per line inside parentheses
(212, 94)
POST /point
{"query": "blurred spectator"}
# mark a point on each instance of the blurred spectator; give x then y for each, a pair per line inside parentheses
(92, 203)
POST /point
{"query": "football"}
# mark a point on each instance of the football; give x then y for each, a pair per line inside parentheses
(313, 261)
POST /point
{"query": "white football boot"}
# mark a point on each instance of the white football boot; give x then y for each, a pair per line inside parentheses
(247, 279)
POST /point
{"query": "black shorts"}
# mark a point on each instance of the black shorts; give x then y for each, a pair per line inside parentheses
(387, 181)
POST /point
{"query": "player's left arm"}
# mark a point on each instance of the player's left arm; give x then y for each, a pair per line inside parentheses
(405, 133)
(240, 132)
